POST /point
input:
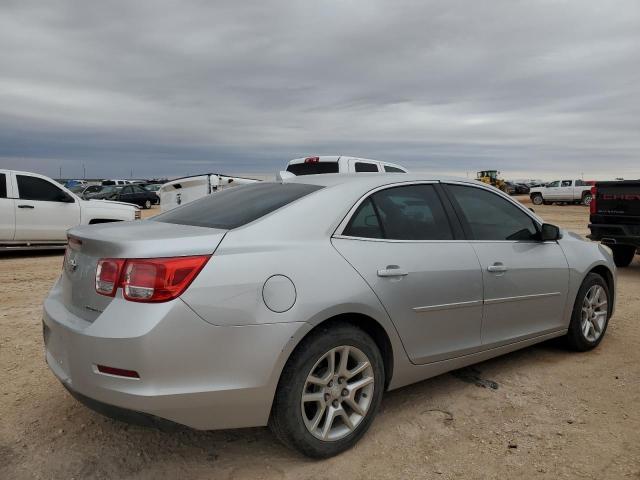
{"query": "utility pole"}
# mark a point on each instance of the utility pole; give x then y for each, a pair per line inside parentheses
(60, 171)
(84, 172)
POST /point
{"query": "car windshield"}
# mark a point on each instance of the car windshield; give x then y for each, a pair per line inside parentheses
(237, 206)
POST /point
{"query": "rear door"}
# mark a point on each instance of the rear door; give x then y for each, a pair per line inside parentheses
(405, 247)
(44, 211)
(525, 280)
(7, 208)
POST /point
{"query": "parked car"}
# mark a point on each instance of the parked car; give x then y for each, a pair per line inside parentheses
(104, 192)
(155, 188)
(565, 191)
(74, 183)
(615, 218)
(134, 194)
(296, 304)
(514, 188)
(340, 164)
(91, 190)
(152, 187)
(522, 189)
(36, 211)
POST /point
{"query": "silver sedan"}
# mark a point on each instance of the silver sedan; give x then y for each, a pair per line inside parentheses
(297, 304)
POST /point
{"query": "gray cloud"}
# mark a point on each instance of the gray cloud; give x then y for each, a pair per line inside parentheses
(172, 88)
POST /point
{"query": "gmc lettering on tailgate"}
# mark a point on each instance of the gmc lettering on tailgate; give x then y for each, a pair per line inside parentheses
(609, 196)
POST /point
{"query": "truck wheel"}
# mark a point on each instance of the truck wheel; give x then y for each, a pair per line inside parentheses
(623, 254)
(586, 199)
(537, 199)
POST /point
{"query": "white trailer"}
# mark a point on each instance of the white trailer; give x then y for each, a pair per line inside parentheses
(187, 189)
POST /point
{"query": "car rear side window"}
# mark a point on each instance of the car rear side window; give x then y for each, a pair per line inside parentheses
(366, 167)
(3, 185)
(365, 222)
(313, 168)
(237, 206)
(390, 169)
(491, 217)
(411, 212)
(34, 188)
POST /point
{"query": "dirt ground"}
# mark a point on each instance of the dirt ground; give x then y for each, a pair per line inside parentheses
(553, 415)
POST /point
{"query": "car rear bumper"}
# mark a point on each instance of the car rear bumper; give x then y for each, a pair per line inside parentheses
(190, 372)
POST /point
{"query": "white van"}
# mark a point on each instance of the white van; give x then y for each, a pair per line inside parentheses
(340, 164)
(187, 189)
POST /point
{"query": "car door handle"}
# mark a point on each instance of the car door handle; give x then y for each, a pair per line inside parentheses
(392, 271)
(497, 268)
(26, 206)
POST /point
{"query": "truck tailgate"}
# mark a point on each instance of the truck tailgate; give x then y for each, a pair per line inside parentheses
(617, 202)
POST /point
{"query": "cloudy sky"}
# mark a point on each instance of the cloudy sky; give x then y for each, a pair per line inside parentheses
(535, 88)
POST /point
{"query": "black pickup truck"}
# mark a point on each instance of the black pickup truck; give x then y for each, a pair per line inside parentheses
(615, 218)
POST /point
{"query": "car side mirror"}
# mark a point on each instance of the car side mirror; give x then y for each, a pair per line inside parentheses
(549, 233)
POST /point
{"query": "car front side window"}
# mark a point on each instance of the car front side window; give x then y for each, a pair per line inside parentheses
(491, 217)
(553, 184)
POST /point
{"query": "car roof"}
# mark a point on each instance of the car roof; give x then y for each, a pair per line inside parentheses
(373, 180)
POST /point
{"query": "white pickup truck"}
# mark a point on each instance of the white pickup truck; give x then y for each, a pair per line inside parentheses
(36, 212)
(562, 191)
(340, 164)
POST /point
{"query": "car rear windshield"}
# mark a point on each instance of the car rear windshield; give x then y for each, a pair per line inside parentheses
(237, 206)
(313, 168)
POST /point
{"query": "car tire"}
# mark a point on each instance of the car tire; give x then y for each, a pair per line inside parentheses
(590, 315)
(302, 424)
(147, 204)
(623, 254)
(586, 199)
(537, 199)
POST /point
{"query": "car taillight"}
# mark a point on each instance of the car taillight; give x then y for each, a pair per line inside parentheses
(592, 205)
(108, 275)
(312, 160)
(149, 279)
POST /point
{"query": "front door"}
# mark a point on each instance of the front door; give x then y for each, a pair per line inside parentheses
(7, 209)
(44, 212)
(526, 281)
(401, 242)
(552, 191)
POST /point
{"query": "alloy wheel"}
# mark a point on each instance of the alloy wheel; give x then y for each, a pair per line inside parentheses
(337, 393)
(595, 308)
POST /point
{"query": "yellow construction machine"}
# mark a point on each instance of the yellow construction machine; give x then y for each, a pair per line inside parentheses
(491, 177)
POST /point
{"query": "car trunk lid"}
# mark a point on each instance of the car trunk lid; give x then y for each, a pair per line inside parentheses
(141, 239)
